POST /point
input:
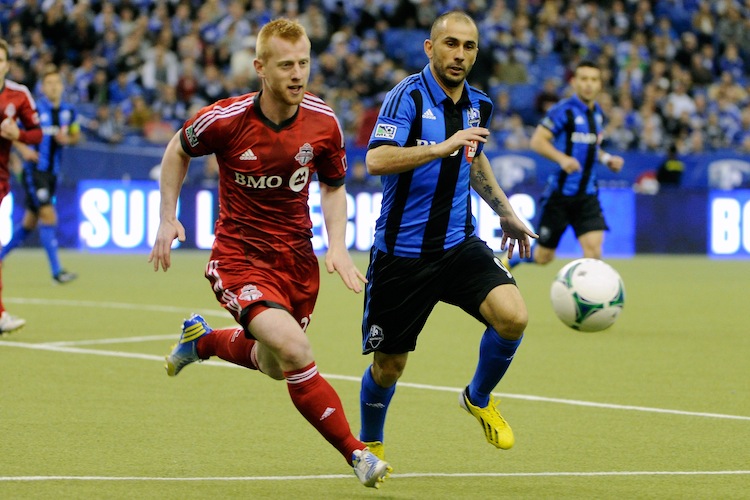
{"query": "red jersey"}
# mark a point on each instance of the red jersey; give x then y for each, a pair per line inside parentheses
(265, 171)
(16, 102)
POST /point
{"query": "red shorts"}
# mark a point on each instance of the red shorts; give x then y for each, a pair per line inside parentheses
(246, 291)
(4, 189)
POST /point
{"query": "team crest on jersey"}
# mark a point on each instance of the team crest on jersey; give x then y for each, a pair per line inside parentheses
(191, 137)
(305, 154)
(474, 118)
(375, 337)
(298, 180)
(10, 110)
(384, 131)
(250, 293)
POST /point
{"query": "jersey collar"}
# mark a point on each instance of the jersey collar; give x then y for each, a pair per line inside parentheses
(268, 122)
(582, 105)
(436, 92)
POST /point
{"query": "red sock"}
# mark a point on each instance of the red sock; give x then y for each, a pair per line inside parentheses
(318, 402)
(230, 344)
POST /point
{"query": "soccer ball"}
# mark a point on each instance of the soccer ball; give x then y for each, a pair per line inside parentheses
(588, 295)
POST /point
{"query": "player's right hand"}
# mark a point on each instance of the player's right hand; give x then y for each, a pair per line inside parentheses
(570, 164)
(161, 252)
(468, 137)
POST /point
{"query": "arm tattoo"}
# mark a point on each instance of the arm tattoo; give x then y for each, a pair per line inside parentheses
(480, 176)
(487, 189)
(496, 204)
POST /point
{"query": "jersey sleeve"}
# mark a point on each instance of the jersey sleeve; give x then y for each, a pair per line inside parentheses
(200, 132)
(394, 120)
(554, 120)
(29, 118)
(332, 168)
(485, 119)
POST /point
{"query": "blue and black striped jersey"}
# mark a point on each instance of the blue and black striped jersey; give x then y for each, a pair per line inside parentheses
(427, 211)
(577, 132)
(52, 120)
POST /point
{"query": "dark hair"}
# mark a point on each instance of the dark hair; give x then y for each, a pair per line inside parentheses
(587, 63)
(456, 14)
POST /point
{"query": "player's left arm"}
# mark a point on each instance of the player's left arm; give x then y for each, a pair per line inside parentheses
(31, 132)
(515, 231)
(333, 203)
(27, 152)
(69, 134)
(612, 162)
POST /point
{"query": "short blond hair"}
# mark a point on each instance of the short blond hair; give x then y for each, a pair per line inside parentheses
(283, 28)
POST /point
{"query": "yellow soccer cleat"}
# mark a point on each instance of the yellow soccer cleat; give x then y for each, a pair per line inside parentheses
(496, 429)
(377, 448)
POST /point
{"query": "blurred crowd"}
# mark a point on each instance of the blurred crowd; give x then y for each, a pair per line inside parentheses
(675, 71)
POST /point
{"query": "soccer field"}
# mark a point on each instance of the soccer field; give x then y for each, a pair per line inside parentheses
(656, 407)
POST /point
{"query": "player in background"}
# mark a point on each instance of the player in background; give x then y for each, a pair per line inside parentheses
(427, 145)
(262, 267)
(570, 135)
(41, 168)
(16, 104)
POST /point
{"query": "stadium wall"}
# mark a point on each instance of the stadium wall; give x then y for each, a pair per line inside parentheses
(107, 202)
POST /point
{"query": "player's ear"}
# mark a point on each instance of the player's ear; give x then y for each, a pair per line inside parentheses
(258, 65)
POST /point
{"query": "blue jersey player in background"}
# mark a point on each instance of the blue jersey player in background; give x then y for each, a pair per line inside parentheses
(570, 135)
(41, 168)
(427, 147)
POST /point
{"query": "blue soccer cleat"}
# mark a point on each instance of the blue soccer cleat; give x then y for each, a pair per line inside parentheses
(185, 351)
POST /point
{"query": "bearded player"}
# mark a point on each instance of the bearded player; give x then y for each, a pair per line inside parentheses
(262, 267)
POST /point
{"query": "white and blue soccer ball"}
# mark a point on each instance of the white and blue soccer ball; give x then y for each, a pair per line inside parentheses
(588, 295)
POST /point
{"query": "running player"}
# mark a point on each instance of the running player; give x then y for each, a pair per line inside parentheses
(262, 268)
(16, 104)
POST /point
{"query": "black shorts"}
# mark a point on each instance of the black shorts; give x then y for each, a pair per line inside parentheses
(402, 292)
(40, 189)
(582, 212)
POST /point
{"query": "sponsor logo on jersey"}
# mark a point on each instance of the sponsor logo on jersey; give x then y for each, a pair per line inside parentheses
(471, 151)
(385, 131)
(299, 178)
(248, 155)
(305, 154)
(258, 182)
(584, 138)
(474, 117)
(250, 292)
(191, 137)
(424, 142)
(429, 115)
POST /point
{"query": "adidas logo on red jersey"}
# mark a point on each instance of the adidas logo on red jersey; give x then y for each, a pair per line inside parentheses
(248, 155)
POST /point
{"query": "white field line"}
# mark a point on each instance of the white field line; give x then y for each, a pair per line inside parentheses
(57, 347)
(407, 475)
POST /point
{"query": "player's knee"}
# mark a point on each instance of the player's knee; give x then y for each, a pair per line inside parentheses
(386, 371)
(512, 325)
(543, 258)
